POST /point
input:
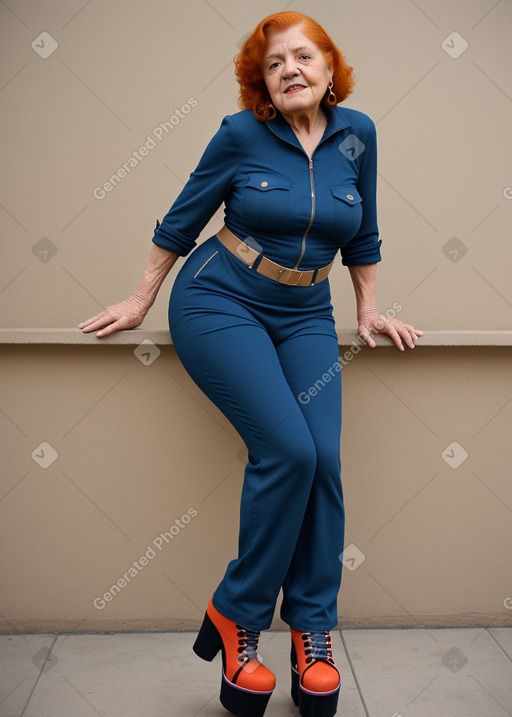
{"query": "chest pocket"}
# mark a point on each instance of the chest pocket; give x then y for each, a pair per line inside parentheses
(266, 199)
(347, 194)
(348, 211)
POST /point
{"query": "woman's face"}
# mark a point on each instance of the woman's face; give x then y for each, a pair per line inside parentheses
(295, 72)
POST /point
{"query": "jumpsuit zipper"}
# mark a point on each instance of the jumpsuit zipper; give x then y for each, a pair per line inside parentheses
(328, 134)
(312, 215)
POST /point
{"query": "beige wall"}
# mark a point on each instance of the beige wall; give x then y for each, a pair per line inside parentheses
(138, 446)
(122, 68)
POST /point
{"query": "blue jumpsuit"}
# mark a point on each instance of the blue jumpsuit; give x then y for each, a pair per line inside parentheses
(266, 353)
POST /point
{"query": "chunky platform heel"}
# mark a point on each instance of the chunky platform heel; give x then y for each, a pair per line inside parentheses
(246, 685)
(315, 678)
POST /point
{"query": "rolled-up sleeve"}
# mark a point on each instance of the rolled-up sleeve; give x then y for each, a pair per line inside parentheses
(364, 247)
(204, 192)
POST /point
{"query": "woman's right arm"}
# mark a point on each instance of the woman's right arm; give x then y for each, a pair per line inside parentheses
(131, 313)
(176, 236)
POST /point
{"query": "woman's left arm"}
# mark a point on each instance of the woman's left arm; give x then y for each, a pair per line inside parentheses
(369, 321)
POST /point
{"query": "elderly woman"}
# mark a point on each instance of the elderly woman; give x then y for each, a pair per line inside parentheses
(251, 319)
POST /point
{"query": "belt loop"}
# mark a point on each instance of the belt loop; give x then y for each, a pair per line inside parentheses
(313, 278)
(257, 262)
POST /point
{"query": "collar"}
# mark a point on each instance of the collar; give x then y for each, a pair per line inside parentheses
(336, 121)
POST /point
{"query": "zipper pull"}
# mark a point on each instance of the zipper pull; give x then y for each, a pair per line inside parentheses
(311, 164)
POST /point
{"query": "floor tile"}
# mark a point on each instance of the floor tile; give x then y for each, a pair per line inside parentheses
(157, 674)
(400, 673)
(428, 673)
(21, 660)
(503, 636)
(127, 675)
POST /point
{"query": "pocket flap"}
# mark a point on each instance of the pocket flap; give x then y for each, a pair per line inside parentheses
(349, 194)
(266, 181)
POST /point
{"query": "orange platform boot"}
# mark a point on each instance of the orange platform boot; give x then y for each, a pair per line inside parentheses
(246, 684)
(315, 678)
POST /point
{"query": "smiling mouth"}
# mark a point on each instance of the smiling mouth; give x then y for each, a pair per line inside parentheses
(294, 88)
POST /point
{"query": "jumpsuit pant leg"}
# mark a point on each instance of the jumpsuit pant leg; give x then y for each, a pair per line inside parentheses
(313, 579)
(254, 357)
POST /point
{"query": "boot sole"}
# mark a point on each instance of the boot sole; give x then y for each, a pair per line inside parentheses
(237, 700)
(313, 704)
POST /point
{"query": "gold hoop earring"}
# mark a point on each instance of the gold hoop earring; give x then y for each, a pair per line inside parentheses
(331, 97)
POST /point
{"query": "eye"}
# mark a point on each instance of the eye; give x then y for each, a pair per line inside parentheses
(304, 57)
(273, 66)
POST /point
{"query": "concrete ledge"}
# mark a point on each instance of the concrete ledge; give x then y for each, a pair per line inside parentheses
(161, 337)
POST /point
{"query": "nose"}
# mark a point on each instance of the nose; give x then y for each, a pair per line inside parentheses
(290, 68)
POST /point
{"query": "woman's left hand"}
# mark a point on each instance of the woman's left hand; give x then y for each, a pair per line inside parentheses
(371, 322)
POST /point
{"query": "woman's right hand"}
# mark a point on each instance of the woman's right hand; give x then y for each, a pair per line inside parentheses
(126, 315)
(131, 313)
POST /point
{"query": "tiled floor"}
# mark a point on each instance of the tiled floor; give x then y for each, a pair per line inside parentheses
(386, 673)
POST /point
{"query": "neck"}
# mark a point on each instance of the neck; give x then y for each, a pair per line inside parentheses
(307, 121)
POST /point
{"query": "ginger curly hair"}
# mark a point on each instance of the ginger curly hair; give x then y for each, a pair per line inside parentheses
(249, 62)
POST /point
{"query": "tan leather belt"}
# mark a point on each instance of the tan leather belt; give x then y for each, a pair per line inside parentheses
(269, 268)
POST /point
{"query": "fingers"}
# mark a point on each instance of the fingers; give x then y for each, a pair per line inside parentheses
(84, 326)
(365, 334)
(397, 337)
(96, 322)
(111, 328)
(402, 335)
(381, 325)
(115, 318)
(106, 322)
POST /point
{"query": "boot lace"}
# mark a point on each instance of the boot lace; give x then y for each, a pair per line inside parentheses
(247, 644)
(318, 646)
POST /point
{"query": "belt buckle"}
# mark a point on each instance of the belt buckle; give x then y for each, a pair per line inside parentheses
(282, 280)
